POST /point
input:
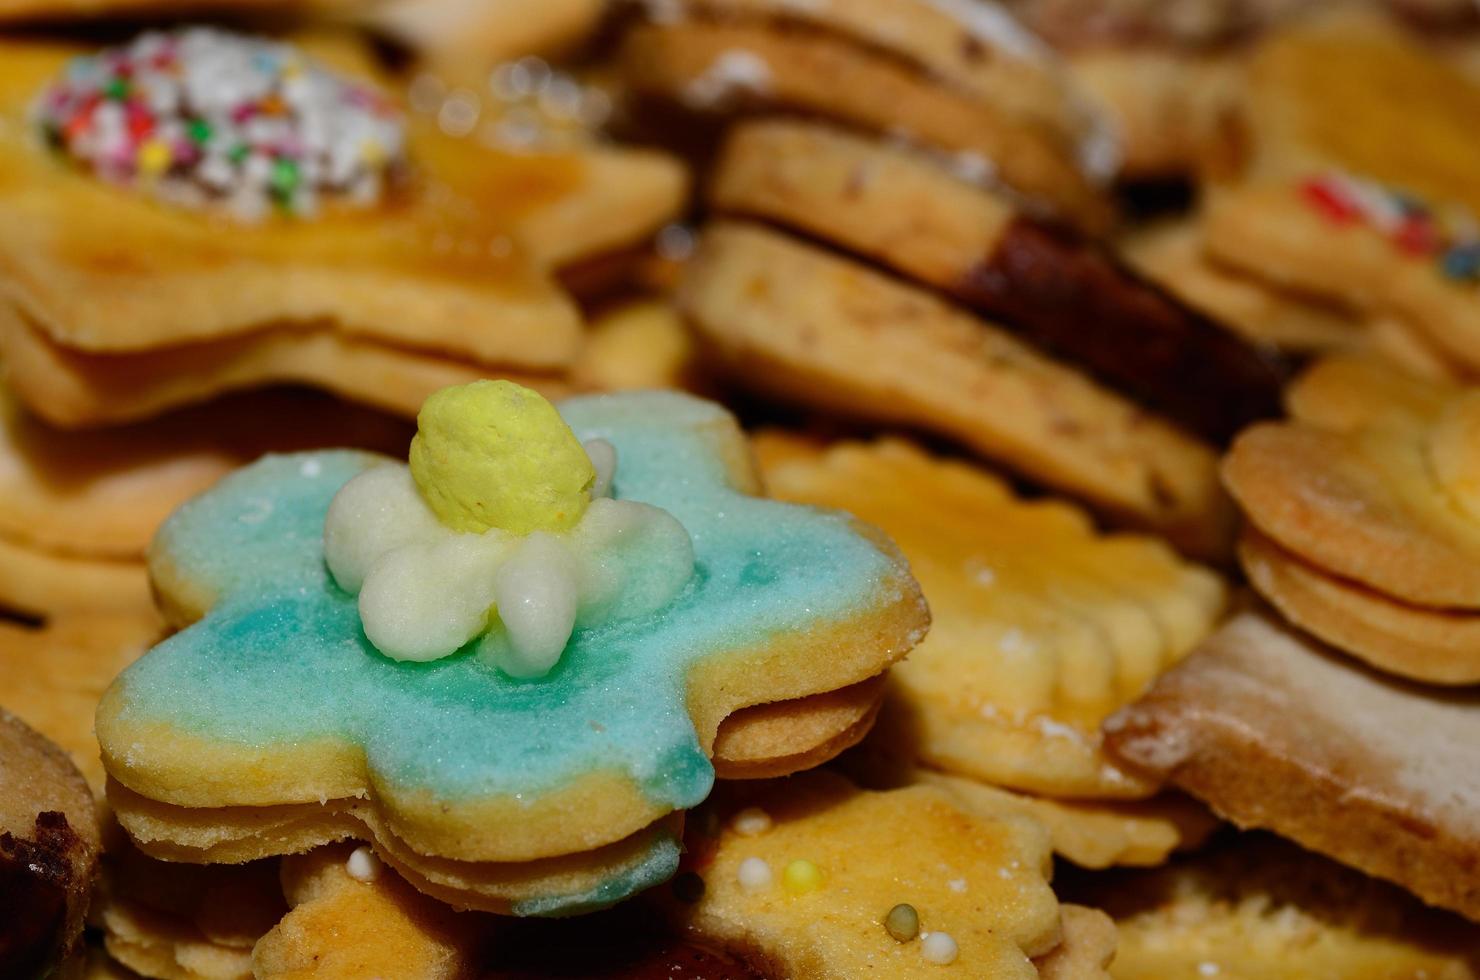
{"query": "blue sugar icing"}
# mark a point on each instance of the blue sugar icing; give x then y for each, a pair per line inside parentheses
(281, 657)
(655, 867)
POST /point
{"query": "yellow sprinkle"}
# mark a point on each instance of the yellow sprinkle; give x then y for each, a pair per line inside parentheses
(154, 158)
(372, 152)
(495, 454)
(801, 877)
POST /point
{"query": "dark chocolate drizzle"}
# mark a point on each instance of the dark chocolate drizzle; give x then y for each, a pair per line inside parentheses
(1074, 300)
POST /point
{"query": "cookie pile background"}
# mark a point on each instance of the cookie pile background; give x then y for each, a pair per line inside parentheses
(1068, 413)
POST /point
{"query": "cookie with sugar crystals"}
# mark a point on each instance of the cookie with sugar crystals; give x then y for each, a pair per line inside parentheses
(1042, 626)
(811, 877)
(475, 805)
(1371, 771)
(1056, 290)
(1253, 907)
(49, 844)
(805, 325)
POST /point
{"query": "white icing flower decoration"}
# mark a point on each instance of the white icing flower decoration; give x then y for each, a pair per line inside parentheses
(428, 588)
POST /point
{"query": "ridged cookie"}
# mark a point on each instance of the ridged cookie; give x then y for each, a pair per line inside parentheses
(1041, 625)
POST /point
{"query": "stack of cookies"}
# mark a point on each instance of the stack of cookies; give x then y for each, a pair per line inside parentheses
(926, 273)
(1362, 532)
(895, 659)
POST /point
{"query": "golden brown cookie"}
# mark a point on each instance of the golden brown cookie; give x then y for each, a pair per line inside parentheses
(1354, 185)
(1431, 645)
(795, 321)
(1041, 626)
(722, 66)
(42, 584)
(1254, 907)
(1058, 292)
(72, 389)
(1363, 505)
(1171, 253)
(352, 917)
(1274, 731)
(56, 673)
(49, 844)
(802, 874)
(1087, 948)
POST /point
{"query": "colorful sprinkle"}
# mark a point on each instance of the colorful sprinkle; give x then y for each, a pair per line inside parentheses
(751, 822)
(801, 877)
(205, 117)
(938, 948)
(753, 874)
(903, 923)
(1447, 234)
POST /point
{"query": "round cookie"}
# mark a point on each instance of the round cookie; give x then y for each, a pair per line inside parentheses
(1431, 645)
(1362, 506)
(49, 844)
(723, 66)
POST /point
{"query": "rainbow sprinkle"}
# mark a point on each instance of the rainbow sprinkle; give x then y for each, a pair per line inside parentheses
(1449, 236)
(203, 117)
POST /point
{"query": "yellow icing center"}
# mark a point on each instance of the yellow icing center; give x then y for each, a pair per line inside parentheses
(494, 454)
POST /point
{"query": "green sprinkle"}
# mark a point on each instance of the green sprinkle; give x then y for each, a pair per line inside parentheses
(284, 179)
(200, 132)
(238, 153)
(117, 89)
(902, 922)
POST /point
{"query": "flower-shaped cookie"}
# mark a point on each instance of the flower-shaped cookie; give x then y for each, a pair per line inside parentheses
(274, 723)
(124, 174)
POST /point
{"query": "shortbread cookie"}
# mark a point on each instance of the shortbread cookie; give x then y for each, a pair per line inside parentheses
(1376, 211)
(1042, 626)
(724, 67)
(511, 820)
(105, 493)
(1362, 505)
(55, 674)
(1088, 946)
(1258, 908)
(43, 584)
(1347, 393)
(789, 736)
(635, 345)
(455, 35)
(1274, 731)
(73, 389)
(1065, 296)
(1091, 834)
(184, 922)
(1166, 105)
(353, 917)
(49, 847)
(803, 875)
(1432, 645)
(796, 321)
(51, 11)
(1172, 254)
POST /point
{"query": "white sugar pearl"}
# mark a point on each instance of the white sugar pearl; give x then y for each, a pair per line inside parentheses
(363, 865)
(938, 948)
(754, 874)
(751, 821)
